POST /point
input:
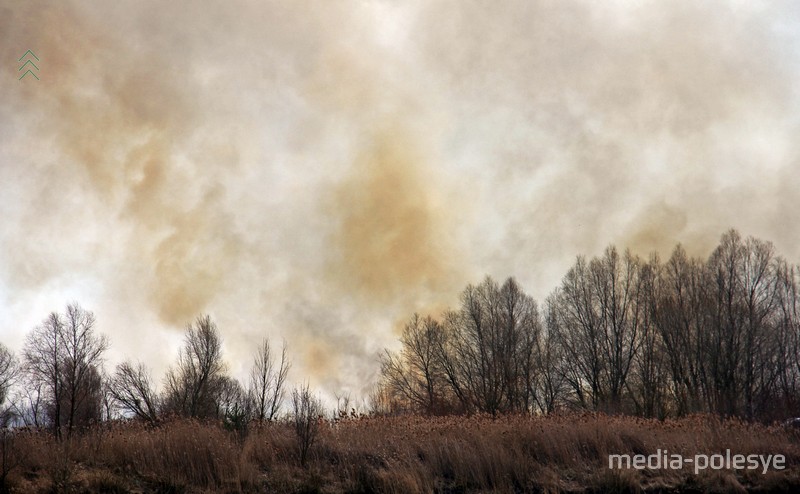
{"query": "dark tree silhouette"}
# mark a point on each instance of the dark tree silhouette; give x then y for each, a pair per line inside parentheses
(9, 370)
(268, 380)
(132, 388)
(307, 414)
(62, 357)
(415, 374)
(194, 384)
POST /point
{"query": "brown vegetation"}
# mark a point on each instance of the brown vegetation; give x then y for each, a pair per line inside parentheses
(513, 453)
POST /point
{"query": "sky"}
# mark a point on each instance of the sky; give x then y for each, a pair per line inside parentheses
(317, 171)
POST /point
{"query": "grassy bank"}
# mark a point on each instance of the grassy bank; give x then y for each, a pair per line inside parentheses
(398, 454)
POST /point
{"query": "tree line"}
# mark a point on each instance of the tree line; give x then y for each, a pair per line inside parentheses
(59, 382)
(621, 334)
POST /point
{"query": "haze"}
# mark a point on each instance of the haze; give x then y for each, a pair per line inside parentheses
(319, 171)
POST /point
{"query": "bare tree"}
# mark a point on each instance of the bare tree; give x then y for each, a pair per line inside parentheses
(308, 412)
(744, 309)
(482, 356)
(551, 383)
(576, 325)
(267, 382)
(788, 335)
(477, 346)
(132, 388)
(520, 331)
(623, 309)
(415, 374)
(27, 405)
(599, 313)
(63, 355)
(761, 301)
(43, 361)
(83, 354)
(679, 306)
(9, 370)
(85, 406)
(192, 386)
(488, 347)
(649, 382)
(109, 404)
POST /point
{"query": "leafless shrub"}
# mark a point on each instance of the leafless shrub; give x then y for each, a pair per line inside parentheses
(307, 416)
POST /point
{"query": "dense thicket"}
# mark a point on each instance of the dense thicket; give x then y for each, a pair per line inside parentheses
(621, 335)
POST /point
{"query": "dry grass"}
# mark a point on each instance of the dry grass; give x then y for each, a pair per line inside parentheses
(399, 455)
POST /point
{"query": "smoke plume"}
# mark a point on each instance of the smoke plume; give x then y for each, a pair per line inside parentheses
(318, 171)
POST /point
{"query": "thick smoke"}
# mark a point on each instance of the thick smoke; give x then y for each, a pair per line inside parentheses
(318, 171)
(390, 242)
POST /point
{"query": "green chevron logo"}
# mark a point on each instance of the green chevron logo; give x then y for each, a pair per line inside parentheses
(28, 63)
